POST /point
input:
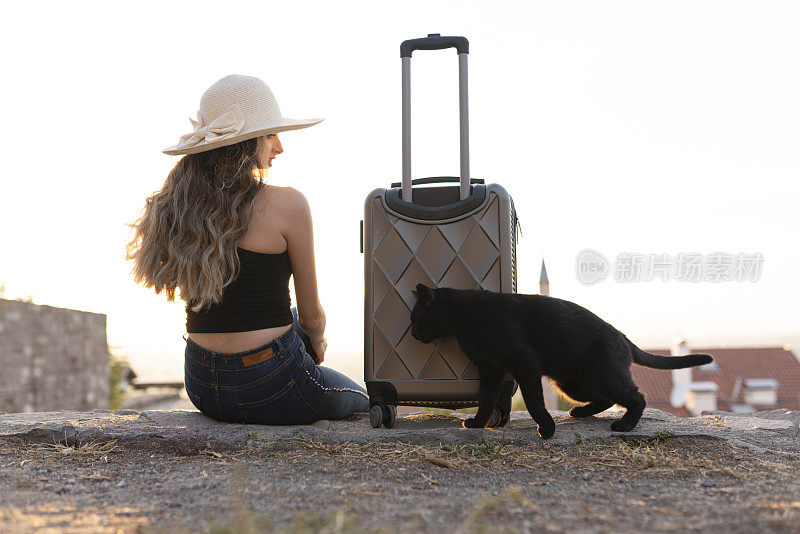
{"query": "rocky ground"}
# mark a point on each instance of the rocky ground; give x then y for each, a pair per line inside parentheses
(177, 471)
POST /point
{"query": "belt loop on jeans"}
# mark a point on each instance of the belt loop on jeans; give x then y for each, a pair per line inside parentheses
(285, 342)
(213, 361)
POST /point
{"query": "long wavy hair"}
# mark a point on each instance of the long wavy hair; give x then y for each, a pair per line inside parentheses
(186, 236)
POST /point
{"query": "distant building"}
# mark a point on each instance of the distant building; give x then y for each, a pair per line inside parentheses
(739, 380)
(52, 358)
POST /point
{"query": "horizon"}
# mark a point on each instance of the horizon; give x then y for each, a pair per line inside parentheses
(352, 364)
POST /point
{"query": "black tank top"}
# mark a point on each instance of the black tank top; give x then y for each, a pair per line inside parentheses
(258, 298)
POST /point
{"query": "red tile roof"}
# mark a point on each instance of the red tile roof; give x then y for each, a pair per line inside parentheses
(734, 364)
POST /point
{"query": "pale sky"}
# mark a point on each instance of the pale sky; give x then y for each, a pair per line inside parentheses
(646, 127)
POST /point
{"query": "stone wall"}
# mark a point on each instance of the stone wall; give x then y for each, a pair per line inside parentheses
(52, 358)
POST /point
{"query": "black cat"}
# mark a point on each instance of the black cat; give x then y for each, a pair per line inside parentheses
(533, 335)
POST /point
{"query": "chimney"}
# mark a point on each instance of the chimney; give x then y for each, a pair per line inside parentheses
(702, 397)
(681, 378)
(761, 392)
(544, 283)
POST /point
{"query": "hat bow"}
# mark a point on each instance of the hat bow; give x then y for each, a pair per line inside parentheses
(228, 124)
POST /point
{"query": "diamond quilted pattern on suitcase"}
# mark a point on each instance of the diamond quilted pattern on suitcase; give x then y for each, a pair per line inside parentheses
(393, 369)
(389, 317)
(381, 349)
(458, 276)
(456, 359)
(381, 286)
(435, 254)
(457, 232)
(479, 253)
(412, 234)
(492, 280)
(393, 255)
(381, 224)
(414, 274)
(436, 368)
(490, 222)
(414, 354)
(462, 254)
(471, 373)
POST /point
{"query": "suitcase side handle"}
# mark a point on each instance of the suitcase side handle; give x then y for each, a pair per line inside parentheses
(440, 180)
(434, 41)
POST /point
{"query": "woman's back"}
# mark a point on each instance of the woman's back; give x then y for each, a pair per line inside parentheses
(279, 216)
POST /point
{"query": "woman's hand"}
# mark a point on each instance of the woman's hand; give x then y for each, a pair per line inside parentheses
(319, 348)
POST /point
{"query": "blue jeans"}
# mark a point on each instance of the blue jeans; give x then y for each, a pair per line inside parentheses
(274, 384)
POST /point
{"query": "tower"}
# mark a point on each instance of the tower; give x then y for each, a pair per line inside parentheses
(544, 283)
(549, 392)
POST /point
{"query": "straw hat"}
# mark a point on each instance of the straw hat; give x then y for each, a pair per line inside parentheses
(235, 109)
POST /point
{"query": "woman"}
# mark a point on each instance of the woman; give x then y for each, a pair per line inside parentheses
(229, 243)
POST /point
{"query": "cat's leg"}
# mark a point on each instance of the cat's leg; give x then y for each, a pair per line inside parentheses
(634, 403)
(590, 409)
(491, 382)
(531, 387)
(616, 383)
(525, 369)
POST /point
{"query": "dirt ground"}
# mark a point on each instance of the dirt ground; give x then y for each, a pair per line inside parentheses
(299, 484)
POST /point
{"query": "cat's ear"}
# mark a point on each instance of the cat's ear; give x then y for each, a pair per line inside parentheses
(424, 294)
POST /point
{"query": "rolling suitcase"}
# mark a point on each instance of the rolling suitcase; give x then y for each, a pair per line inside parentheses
(461, 235)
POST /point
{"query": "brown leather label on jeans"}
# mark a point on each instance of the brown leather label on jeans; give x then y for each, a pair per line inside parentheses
(258, 357)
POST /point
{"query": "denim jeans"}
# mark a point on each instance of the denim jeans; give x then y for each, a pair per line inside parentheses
(274, 384)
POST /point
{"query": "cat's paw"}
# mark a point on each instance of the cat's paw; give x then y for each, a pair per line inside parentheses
(546, 430)
(622, 426)
(580, 411)
(472, 423)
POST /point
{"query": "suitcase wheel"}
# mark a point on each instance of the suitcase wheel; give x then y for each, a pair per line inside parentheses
(389, 415)
(376, 416)
(382, 414)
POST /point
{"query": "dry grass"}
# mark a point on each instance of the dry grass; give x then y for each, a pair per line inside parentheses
(659, 454)
(663, 454)
(450, 456)
(90, 450)
(631, 455)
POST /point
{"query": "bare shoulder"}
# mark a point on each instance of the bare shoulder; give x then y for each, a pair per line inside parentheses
(284, 205)
(277, 199)
(275, 202)
(292, 204)
(277, 212)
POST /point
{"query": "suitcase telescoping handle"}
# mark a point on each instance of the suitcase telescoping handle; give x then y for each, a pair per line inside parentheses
(435, 41)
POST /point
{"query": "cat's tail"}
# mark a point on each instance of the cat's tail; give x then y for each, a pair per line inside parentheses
(667, 362)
